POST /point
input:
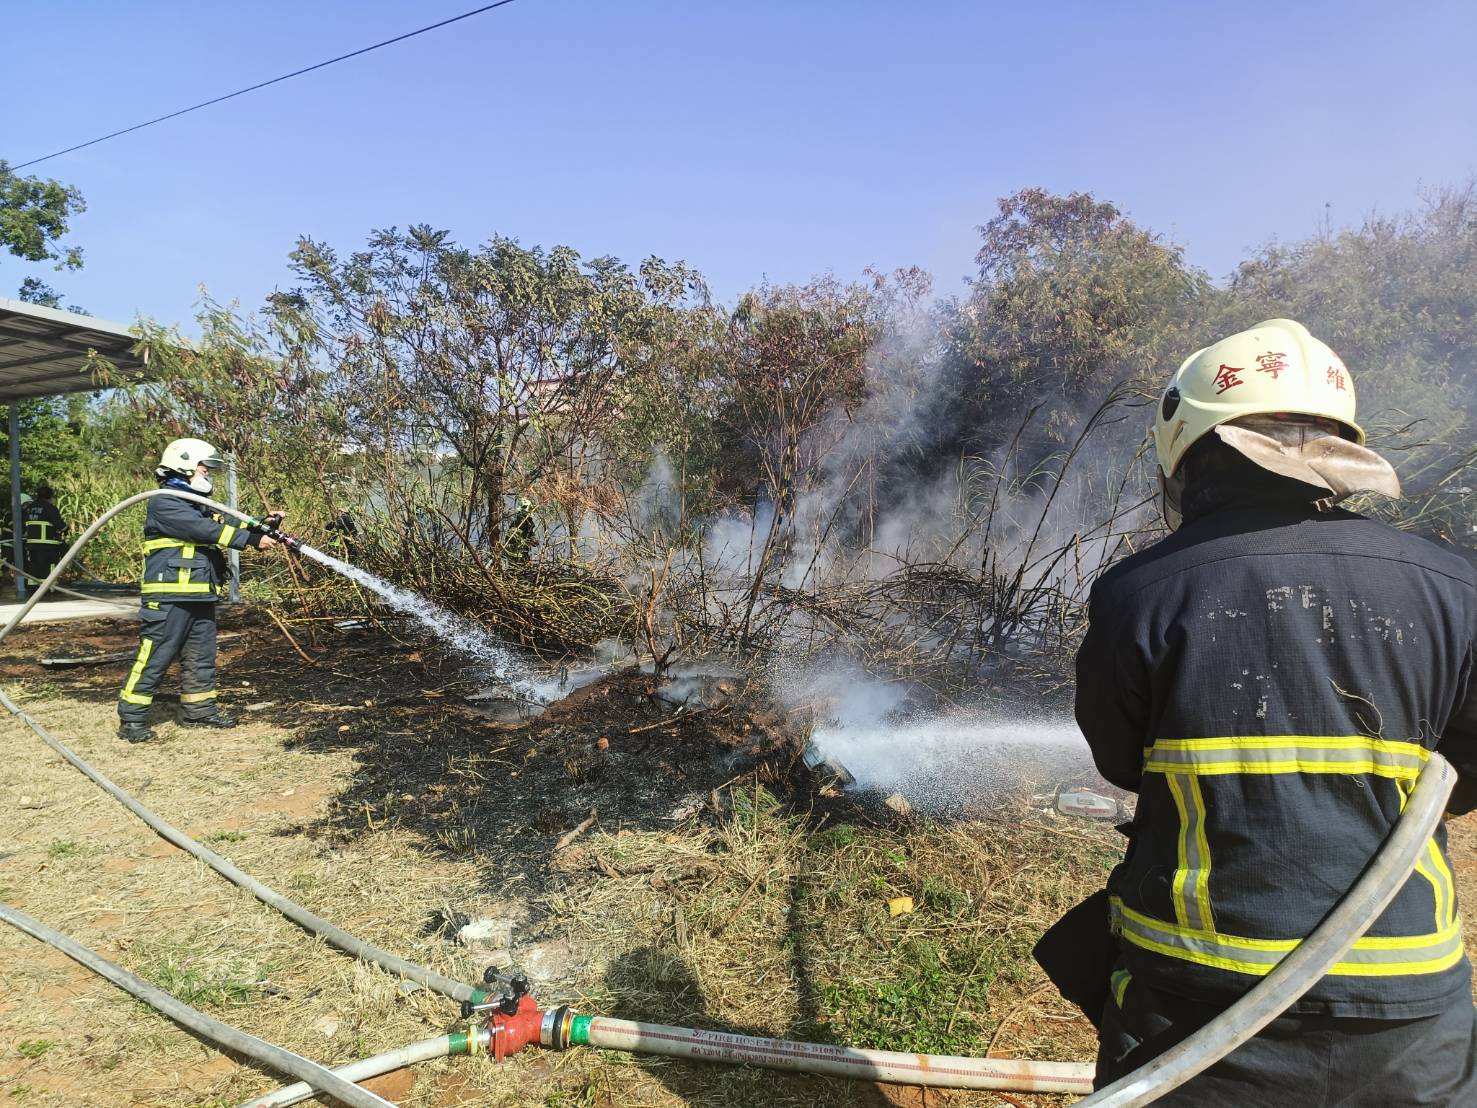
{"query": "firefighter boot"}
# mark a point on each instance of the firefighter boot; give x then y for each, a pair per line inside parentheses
(135, 732)
(217, 718)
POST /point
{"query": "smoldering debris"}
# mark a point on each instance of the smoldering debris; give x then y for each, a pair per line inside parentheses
(882, 735)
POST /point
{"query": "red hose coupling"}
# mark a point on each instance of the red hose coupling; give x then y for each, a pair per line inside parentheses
(508, 1034)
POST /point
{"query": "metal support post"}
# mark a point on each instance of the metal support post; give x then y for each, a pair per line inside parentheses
(233, 591)
(18, 525)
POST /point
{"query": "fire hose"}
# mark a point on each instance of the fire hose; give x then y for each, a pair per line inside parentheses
(224, 1034)
(514, 1020)
(65, 592)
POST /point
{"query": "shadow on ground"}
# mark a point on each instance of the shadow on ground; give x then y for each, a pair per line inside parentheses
(433, 759)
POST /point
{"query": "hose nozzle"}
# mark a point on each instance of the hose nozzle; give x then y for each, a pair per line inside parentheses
(271, 524)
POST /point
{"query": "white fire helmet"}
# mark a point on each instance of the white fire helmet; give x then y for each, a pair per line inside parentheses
(1275, 367)
(183, 455)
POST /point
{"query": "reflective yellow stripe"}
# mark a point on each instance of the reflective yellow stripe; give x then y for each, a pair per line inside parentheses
(1264, 754)
(1383, 956)
(176, 586)
(42, 537)
(1423, 867)
(1324, 742)
(1201, 878)
(1432, 866)
(1445, 871)
(1119, 984)
(228, 533)
(196, 697)
(1192, 907)
(145, 648)
(162, 544)
(181, 582)
(1174, 781)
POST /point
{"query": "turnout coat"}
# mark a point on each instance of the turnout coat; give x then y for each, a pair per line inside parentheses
(183, 544)
(1270, 679)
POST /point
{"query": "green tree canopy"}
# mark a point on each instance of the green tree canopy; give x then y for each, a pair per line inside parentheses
(34, 216)
(1071, 297)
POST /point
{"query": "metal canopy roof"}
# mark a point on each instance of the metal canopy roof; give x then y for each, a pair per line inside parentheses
(43, 351)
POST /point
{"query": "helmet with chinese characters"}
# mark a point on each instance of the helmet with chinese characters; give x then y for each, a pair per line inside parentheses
(1276, 367)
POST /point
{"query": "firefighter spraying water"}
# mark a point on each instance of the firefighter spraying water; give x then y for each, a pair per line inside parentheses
(184, 567)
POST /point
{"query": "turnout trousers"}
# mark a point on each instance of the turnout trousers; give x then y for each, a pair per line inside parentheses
(1300, 1061)
(169, 630)
(41, 559)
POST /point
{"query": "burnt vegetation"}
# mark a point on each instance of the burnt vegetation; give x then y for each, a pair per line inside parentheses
(923, 484)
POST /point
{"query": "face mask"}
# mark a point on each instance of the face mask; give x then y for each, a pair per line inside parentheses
(201, 484)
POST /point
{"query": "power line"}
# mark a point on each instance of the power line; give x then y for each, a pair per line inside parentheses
(263, 84)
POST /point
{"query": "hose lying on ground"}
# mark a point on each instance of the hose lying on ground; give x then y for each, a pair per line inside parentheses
(1308, 963)
(283, 1061)
(442, 1046)
(68, 592)
(942, 1071)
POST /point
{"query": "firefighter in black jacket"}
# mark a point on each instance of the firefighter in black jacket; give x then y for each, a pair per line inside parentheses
(183, 567)
(1270, 679)
(46, 533)
(522, 536)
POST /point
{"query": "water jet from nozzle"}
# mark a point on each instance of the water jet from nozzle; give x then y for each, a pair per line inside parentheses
(460, 634)
(944, 761)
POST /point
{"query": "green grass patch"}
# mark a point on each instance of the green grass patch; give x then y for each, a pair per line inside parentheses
(930, 1001)
(225, 837)
(38, 689)
(35, 1048)
(223, 986)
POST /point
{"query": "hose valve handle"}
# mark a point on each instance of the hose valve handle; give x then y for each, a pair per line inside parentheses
(511, 991)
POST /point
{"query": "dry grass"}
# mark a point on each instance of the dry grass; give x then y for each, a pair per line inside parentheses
(761, 926)
(750, 922)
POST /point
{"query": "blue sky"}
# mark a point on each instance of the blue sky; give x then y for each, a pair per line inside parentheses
(768, 138)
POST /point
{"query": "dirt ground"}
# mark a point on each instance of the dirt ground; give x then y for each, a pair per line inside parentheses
(717, 885)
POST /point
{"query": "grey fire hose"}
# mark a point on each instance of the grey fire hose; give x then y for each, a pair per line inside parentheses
(66, 592)
(1308, 963)
(283, 1061)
